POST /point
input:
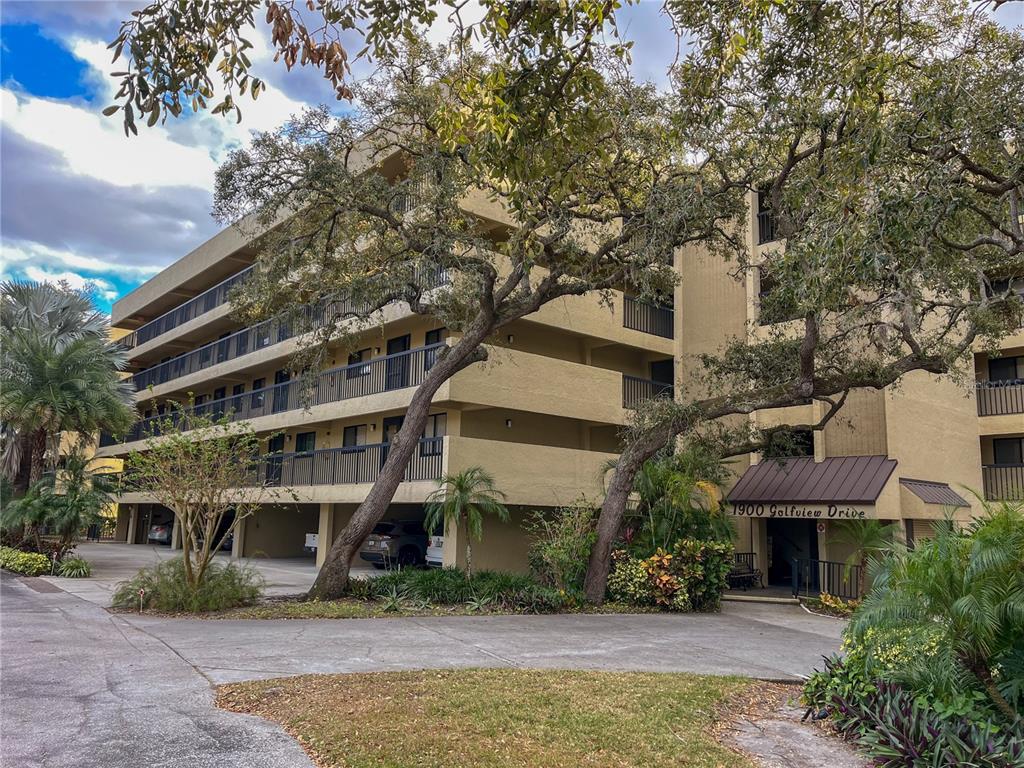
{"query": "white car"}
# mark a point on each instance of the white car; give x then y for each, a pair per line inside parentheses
(435, 546)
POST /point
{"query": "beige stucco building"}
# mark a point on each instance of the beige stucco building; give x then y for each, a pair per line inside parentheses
(543, 415)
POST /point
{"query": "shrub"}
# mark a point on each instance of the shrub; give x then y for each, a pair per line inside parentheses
(74, 568)
(451, 586)
(629, 581)
(166, 589)
(560, 549)
(703, 570)
(900, 731)
(691, 578)
(27, 563)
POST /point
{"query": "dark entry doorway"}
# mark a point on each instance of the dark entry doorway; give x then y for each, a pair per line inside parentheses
(281, 387)
(274, 448)
(789, 540)
(397, 368)
(390, 427)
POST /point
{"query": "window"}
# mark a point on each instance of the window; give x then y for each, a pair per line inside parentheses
(353, 436)
(765, 220)
(433, 337)
(436, 428)
(241, 343)
(220, 393)
(1008, 450)
(305, 442)
(355, 370)
(238, 389)
(262, 335)
(257, 394)
(1006, 369)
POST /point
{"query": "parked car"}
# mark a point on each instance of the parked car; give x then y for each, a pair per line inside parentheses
(160, 533)
(395, 542)
(435, 547)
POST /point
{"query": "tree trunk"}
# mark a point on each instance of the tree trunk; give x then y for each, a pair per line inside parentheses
(38, 453)
(612, 511)
(469, 552)
(981, 670)
(332, 581)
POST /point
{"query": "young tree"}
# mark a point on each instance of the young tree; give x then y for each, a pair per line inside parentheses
(866, 539)
(203, 470)
(461, 503)
(897, 206)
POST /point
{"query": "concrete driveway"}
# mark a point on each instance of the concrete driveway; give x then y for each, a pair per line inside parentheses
(136, 690)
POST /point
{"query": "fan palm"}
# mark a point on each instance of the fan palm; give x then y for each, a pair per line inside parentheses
(967, 587)
(461, 501)
(866, 538)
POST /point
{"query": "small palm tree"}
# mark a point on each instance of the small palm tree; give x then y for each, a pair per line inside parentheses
(461, 502)
(867, 538)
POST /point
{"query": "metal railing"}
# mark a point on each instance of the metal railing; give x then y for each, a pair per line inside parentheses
(256, 337)
(635, 390)
(648, 317)
(812, 577)
(1003, 482)
(766, 228)
(382, 374)
(997, 398)
(194, 307)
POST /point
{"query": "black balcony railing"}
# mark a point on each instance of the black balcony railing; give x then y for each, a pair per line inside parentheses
(766, 228)
(201, 304)
(1003, 482)
(636, 390)
(648, 317)
(397, 371)
(996, 398)
(812, 577)
(256, 337)
(331, 466)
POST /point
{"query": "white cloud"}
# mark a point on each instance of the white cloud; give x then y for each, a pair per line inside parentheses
(103, 288)
(36, 254)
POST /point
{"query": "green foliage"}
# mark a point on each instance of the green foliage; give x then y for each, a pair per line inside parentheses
(899, 731)
(451, 586)
(461, 502)
(690, 578)
(560, 544)
(27, 563)
(866, 539)
(167, 590)
(74, 568)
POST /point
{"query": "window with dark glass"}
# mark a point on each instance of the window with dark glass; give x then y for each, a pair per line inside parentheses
(765, 220)
(305, 442)
(1008, 450)
(433, 337)
(355, 370)
(1006, 369)
(437, 427)
(353, 436)
(257, 393)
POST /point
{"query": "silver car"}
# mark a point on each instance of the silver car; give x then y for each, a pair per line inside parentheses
(395, 542)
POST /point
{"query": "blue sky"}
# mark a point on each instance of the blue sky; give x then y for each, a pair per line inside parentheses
(82, 203)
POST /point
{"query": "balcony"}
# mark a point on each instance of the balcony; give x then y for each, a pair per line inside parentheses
(635, 390)
(201, 304)
(1003, 482)
(648, 317)
(383, 374)
(997, 398)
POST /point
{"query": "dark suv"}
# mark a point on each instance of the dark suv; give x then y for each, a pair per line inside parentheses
(395, 542)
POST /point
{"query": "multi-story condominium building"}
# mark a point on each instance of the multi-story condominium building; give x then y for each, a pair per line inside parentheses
(544, 414)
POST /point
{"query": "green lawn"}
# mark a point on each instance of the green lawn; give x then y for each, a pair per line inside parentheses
(498, 718)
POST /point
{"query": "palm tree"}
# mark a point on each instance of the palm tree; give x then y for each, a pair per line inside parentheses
(866, 538)
(66, 501)
(58, 372)
(462, 501)
(966, 588)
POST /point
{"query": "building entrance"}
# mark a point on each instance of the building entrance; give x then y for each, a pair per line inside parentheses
(789, 540)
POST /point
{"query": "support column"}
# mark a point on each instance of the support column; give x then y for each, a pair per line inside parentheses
(176, 534)
(238, 542)
(133, 521)
(324, 533)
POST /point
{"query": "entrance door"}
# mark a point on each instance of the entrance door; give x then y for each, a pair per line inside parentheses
(274, 446)
(397, 370)
(663, 371)
(391, 425)
(281, 392)
(790, 540)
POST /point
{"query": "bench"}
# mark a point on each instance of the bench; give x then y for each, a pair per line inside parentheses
(744, 576)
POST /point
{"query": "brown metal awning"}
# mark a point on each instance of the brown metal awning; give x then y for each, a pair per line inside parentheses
(934, 493)
(849, 479)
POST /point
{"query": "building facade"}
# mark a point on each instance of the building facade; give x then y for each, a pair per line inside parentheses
(544, 414)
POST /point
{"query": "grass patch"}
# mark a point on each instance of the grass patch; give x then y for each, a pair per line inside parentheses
(497, 718)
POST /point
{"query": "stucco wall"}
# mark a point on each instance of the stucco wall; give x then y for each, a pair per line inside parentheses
(280, 531)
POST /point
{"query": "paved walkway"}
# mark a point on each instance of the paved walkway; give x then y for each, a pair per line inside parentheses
(82, 687)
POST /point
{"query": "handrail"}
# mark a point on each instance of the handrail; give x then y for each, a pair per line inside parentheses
(811, 577)
(648, 317)
(381, 374)
(996, 398)
(635, 390)
(1003, 482)
(255, 337)
(210, 299)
